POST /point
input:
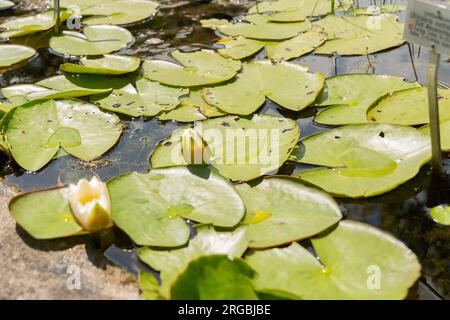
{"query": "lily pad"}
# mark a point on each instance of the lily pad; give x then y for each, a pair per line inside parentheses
(357, 261)
(81, 4)
(408, 107)
(5, 4)
(95, 40)
(198, 68)
(282, 210)
(441, 214)
(206, 242)
(11, 54)
(376, 10)
(214, 277)
(192, 108)
(360, 35)
(119, 12)
(149, 207)
(147, 99)
(239, 48)
(287, 84)
(240, 148)
(351, 95)
(45, 214)
(363, 160)
(445, 133)
(37, 130)
(108, 64)
(100, 83)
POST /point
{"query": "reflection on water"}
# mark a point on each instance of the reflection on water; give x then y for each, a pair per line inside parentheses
(401, 212)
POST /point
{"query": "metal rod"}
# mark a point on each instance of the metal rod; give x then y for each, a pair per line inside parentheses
(433, 106)
(57, 15)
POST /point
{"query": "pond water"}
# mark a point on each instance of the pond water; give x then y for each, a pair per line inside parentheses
(403, 212)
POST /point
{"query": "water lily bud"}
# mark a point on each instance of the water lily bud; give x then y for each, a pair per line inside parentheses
(194, 148)
(90, 204)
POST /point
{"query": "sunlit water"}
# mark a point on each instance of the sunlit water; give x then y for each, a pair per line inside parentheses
(401, 212)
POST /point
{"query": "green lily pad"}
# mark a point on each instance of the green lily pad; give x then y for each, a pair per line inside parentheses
(81, 4)
(357, 261)
(149, 207)
(95, 40)
(192, 108)
(213, 23)
(147, 99)
(5, 4)
(282, 210)
(239, 48)
(363, 160)
(351, 95)
(287, 84)
(214, 277)
(296, 47)
(45, 214)
(441, 214)
(120, 12)
(100, 83)
(360, 35)
(149, 286)
(11, 54)
(198, 68)
(408, 107)
(206, 242)
(445, 133)
(108, 64)
(37, 130)
(240, 148)
(376, 10)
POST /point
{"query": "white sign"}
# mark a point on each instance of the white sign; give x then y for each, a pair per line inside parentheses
(428, 24)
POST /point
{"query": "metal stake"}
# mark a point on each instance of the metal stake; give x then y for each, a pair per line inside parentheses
(433, 107)
(57, 15)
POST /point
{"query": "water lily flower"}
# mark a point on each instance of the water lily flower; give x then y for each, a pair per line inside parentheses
(194, 148)
(90, 204)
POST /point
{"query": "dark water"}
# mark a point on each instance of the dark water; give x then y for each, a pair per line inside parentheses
(403, 212)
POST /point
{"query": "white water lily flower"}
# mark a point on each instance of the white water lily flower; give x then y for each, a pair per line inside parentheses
(193, 148)
(90, 204)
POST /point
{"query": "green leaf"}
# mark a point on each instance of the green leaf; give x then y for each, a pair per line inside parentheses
(206, 242)
(119, 12)
(351, 95)
(95, 40)
(240, 148)
(95, 84)
(36, 131)
(45, 214)
(5, 4)
(108, 64)
(147, 99)
(214, 277)
(408, 107)
(353, 257)
(287, 84)
(376, 10)
(197, 69)
(239, 48)
(441, 214)
(360, 35)
(12, 54)
(445, 133)
(282, 210)
(81, 4)
(149, 207)
(149, 286)
(363, 160)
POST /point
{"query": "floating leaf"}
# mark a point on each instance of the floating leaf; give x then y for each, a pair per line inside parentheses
(149, 286)
(35, 131)
(408, 107)
(441, 214)
(357, 261)
(363, 160)
(358, 35)
(240, 148)
(108, 64)
(239, 48)
(376, 10)
(148, 100)
(213, 23)
(282, 210)
(119, 12)
(95, 40)
(214, 277)
(351, 95)
(198, 68)
(206, 242)
(289, 85)
(445, 133)
(149, 207)
(5, 4)
(91, 82)
(11, 54)
(45, 214)
(82, 4)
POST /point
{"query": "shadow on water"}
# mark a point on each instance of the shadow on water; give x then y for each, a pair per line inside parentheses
(402, 212)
